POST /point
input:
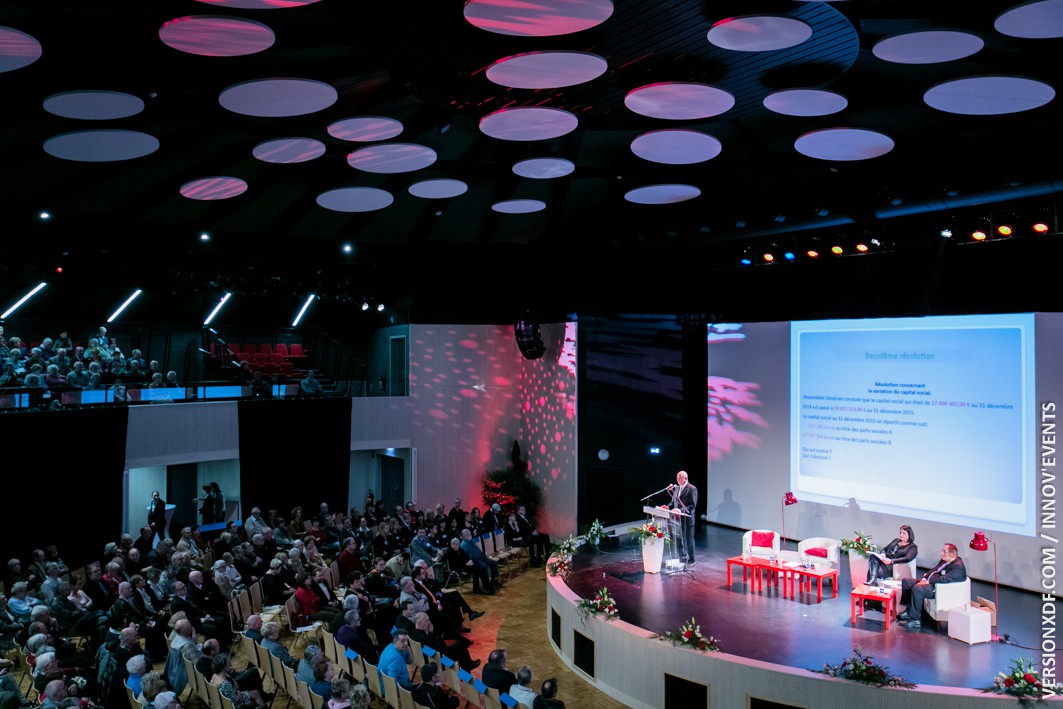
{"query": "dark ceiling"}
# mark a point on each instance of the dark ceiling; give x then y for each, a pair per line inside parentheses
(122, 225)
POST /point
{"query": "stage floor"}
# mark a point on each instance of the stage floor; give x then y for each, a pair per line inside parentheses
(799, 633)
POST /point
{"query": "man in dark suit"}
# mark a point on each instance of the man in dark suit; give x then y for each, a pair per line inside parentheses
(684, 500)
(913, 592)
(538, 543)
(157, 514)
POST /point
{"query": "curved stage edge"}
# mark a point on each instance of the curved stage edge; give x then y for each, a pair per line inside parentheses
(630, 664)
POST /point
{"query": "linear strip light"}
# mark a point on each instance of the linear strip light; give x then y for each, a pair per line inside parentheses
(217, 308)
(22, 300)
(303, 310)
(124, 305)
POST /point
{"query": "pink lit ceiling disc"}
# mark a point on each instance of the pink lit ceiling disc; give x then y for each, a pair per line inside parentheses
(355, 199)
(438, 189)
(676, 146)
(390, 158)
(216, 36)
(759, 33)
(932, 47)
(546, 70)
(93, 105)
(519, 206)
(210, 189)
(989, 95)
(17, 49)
(288, 151)
(805, 102)
(843, 144)
(527, 124)
(101, 145)
(541, 18)
(544, 168)
(275, 98)
(679, 101)
(1032, 20)
(365, 129)
(259, 4)
(662, 194)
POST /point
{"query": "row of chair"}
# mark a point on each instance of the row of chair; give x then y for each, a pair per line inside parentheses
(292, 351)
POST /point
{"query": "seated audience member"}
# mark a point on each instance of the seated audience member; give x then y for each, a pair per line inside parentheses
(184, 640)
(53, 378)
(248, 679)
(261, 387)
(310, 603)
(913, 592)
(324, 673)
(451, 602)
(157, 381)
(275, 589)
(153, 685)
(496, 672)
(311, 657)
(57, 695)
(431, 692)
(900, 551)
(360, 697)
(548, 697)
(136, 667)
(493, 518)
(522, 691)
(379, 582)
(229, 688)
(21, 603)
(253, 628)
(271, 633)
(164, 700)
(424, 633)
(458, 561)
(200, 618)
(399, 564)
(476, 554)
(395, 659)
(340, 694)
(171, 381)
(407, 611)
(539, 548)
(351, 638)
(310, 386)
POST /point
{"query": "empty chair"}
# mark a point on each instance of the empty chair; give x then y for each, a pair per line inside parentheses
(295, 351)
(276, 359)
(249, 349)
(287, 369)
(820, 550)
(268, 368)
(760, 542)
(266, 348)
(281, 349)
(261, 358)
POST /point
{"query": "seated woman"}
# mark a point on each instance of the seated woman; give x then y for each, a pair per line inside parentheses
(900, 551)
(227, 687)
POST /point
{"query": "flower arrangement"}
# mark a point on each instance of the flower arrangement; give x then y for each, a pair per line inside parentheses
(596, 532)
(649, 530)
(1023, 682)
(689, 634)
(861, 544)
(562, 562)
(601, 605)
(862, 668)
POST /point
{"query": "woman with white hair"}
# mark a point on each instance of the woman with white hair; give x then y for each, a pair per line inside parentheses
(136, 667)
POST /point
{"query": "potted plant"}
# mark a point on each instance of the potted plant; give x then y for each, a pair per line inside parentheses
(858, 547)
(652, 536)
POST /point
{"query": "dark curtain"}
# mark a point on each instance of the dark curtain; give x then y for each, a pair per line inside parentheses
(62, 482)
(294, 452)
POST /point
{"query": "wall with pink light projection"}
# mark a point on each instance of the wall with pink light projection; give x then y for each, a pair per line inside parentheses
(548, 426)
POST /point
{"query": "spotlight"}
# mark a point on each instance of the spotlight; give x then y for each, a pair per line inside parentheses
(380, 307)
(124, 305)
(302, 310)
(862, 248)
(836, 250)
(745, 261)
(768, 258)
(655, 450)
(946, 233)
(978, 235)
(789, 256)
(223, 301)
(204, 236)
(876, 242)
(1040, 228)
(1004, 230)
(44, 216)
(812, 253)
(347, 248)
(365, 305)
(22, 300)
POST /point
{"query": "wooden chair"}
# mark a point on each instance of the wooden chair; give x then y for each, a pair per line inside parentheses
(391, 691)
(213, 697)
(372, 678)
(292, 607)
(491, 698)
(133, 703)
(406, 699)
(328, 645)
(302, 695)
(337, 578)
(244, 599)
(354, 666)
(195, 680)
(472, 695)
(291, 682)
(280, 677)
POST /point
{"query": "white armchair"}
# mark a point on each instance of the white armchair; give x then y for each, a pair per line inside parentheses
(905, 571)
(762, 550)
(833, 547)
(947, 596)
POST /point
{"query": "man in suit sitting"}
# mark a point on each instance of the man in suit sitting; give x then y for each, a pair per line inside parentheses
(913, 592)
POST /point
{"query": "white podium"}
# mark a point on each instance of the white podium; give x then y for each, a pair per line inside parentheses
(653, 555)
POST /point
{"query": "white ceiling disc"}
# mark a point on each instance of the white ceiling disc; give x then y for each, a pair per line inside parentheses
(355, 199)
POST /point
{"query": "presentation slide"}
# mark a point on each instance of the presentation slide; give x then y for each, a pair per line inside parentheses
(927, 417)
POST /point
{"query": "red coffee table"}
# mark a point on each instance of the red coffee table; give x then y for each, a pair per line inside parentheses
(863, 592)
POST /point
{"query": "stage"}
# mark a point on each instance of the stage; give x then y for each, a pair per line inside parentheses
(801, 633)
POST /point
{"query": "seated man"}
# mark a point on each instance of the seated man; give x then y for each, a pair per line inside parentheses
(949, 570)
(431, 692)
(254, 628)
(476, 554)
(424, 633)
(395, 660)
(548, 697)
(522, 691)
(459, 561)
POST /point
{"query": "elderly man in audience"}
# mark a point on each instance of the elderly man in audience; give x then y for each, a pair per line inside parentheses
(350, 637)
(424, 633)
(476, 554)
(253, 628)
(521, 690)
(458, 561)
(21, 602)
(54, 379)
(56, 695)
(184, 640)
(548, 699)
(200, 617)
(312, 657)
(161, 556)
(432, 692)
(62, 361)
(125, 612)
(72, 618)
(452, 602)
(496, 672)
(350, 558)
(407, 610)
(50, 584)
(271, 633)
(254, 524)
(77, 378)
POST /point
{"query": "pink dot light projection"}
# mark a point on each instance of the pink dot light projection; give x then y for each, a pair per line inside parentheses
(462, 387)
(730, 409)
(548, 414)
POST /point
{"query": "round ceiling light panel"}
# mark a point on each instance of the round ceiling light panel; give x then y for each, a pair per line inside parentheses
(93, 105)
(989, 95)
(365, 129)
(1032, 20)
(259, 4)
(805, 102)
(844, 144)
(758, 33)
(930, 47)
(101, 145)
(216, 36)
(438, 189)
(544, 168)
(542, 18)
(289, 151)
(527, 124)
(211, 189)
(662, 194)
(676, 146)
(391, 158)
(546, 70)
(355, 199)
(519, 206)
(679, 101)
(277, 98)
(17, 49)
